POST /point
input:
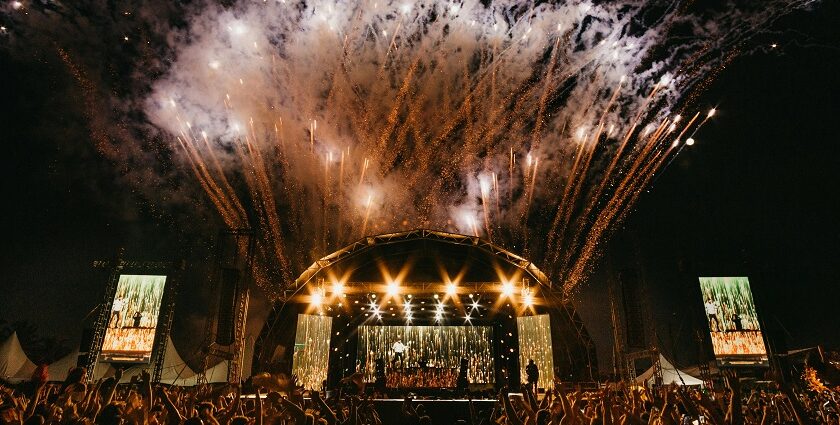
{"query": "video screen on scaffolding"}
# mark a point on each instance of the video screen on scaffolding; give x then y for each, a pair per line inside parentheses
(733, 321)
(426, 356)
(133, 319)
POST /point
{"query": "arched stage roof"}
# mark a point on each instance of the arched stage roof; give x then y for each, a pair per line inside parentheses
(428, 251)
(424, 256)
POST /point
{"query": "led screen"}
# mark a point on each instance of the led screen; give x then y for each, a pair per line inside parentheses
(133, 319)
(312, 350)
(535, 344)
(431, 355)
(730, 312)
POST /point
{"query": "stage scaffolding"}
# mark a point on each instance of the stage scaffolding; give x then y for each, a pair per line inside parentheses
(234, 250)
(117, 267)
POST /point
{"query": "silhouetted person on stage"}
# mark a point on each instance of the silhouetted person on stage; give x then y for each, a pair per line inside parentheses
(736, 320)
(533, 374)
(463, 383)
(137, 318)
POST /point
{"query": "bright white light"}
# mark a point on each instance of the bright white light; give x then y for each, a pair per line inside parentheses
(16, 5)
(405, 8)
(580, 133)
(237, 28)
(214, 64)
(711, 113)
(507, 289)
(393, 288)
(528, 300)
(676, 143)
(317, 299)
(689, 142)
(485, 186)
(337, 288)
(436, 296)
(451, 289)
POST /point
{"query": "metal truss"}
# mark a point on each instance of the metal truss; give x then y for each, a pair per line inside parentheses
(359, 247)
(118, 266)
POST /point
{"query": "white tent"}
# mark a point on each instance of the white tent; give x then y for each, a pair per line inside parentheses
(217, 373)
(61, 367)
(14, 365)
(670, 374)
(174, 372)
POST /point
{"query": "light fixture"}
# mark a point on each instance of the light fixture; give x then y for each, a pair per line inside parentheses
(338, 288)
(451, 289)
(393, 288)
(317, 298)
(507, 289)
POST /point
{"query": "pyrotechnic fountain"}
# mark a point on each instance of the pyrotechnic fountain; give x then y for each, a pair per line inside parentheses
(534, 127)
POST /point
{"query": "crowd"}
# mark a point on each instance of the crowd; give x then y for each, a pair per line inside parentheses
(77, 402)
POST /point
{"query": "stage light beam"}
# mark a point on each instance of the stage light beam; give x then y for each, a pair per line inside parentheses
(393, 288)
(507, 289)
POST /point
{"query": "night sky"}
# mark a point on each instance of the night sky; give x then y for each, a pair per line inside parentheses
(756, 195)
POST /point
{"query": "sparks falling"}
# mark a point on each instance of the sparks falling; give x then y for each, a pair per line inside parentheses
(536, 127)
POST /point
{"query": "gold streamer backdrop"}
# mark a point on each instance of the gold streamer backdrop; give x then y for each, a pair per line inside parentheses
(312, 350)
(535, 343)
(441, 347)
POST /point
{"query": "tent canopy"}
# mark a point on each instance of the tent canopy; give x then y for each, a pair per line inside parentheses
(14, 365)
(670, 375)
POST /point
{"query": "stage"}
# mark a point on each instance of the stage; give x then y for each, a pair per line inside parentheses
(424, 311)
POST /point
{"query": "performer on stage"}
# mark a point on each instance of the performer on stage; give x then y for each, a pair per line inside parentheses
(399, 348)
(712, 308)
(533, 374)
(116, 312)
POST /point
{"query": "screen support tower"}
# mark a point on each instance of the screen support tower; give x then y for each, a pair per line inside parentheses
(116, 267)
(229, 310)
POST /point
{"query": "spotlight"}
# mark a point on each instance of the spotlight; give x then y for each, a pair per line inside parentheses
(338, 288)
(689, 141)
(317, 299)
(436, 296)
(507, 289)
(451, 289)
(393, 288)
(528, 300)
